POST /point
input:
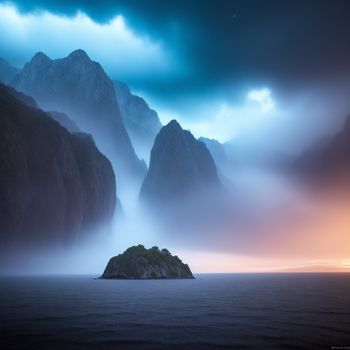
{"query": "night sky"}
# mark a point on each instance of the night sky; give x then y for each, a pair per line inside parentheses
(197, 60)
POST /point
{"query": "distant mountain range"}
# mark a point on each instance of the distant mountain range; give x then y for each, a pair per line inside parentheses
(54, 186)
(180, 165)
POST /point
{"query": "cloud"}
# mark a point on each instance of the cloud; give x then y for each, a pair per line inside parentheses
(122, 51)
(262, 97)
(224, 120)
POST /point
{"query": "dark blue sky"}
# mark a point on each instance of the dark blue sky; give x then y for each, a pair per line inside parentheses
(201, 49)
(280, 41)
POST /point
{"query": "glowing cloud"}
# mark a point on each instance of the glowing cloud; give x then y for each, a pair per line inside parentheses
(224, 120)
(115, 45)
(263, 98)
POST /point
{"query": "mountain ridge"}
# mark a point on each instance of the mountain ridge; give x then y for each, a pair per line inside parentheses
(79, 87)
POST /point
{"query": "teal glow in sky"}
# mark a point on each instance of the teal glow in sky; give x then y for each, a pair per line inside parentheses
(222, 76)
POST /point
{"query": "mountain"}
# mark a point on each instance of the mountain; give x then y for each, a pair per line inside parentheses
(64, 120)
(216, 149)
(79, 87)
(329, 159)
(7, 72)
(27, 100)
(179, 165)
(54, 186)
(141, 122)
(140, 263)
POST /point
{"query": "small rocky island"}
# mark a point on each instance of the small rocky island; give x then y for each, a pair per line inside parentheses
(137, 262)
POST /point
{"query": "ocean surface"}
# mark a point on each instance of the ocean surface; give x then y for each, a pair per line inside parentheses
(214, 311)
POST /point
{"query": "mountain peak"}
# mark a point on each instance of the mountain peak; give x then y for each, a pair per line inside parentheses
(40, 57)
(79, 54)
(173, 125)
(179, 165)
(79, 87)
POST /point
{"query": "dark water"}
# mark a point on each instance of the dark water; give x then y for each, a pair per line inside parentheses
(233, 311)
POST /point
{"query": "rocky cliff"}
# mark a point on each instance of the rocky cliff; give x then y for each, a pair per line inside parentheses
(141, 122)
(7, 72)
(140, 263)
(327, 160)
(179, 165)
(54, 186)
(79, 87)
(64, 120)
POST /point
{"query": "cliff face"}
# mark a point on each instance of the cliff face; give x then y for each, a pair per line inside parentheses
(140, 263)
(7, 72)
(216, 149)
(64, 120)
(179, 165)
(327, 161)
(54, 185)
(141, 122)
(79, 87)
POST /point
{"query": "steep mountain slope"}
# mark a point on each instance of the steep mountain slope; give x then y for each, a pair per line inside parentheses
(180, 165)
(7, 72)
(54, 186)
(64, 120)
(141, 122)
(79, 87)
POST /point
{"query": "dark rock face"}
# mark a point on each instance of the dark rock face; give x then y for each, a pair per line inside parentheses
(328, 160)
(141, 122)
(179, 165)
(64, 121)
(79, 87)
(7, 72)
(27, 100)
(140, 263)
(54, 185)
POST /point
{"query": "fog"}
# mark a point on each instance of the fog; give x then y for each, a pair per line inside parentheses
(265, 222)
(265, 108)
(262, 220)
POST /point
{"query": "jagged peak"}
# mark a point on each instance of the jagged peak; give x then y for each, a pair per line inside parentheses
(208, 139)
(40, 57)
(79, 54)
(122, 86)
(173, 124)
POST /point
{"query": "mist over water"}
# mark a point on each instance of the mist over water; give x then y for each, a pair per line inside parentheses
(266, 114)
(264, 222)
(174, 175)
